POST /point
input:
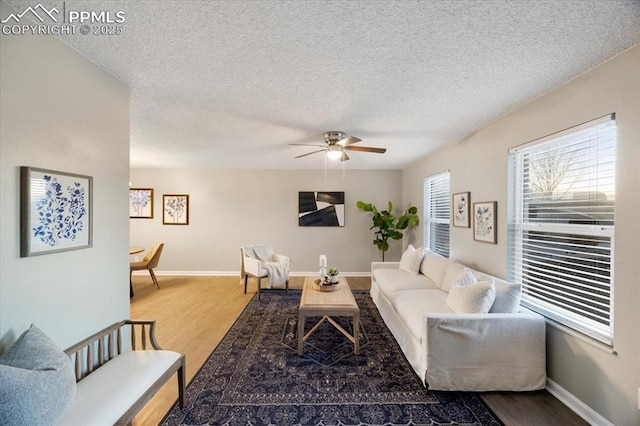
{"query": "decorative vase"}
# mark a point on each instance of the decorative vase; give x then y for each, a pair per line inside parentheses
(334, 279)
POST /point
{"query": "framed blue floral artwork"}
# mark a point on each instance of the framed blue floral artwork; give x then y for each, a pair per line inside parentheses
(175, 209)
(141, 203)
(55, 211)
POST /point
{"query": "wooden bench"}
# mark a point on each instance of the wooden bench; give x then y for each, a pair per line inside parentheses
(112, 384)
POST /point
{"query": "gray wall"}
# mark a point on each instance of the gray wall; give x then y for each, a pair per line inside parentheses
(231, 208)
(59, 111)
(606, 382)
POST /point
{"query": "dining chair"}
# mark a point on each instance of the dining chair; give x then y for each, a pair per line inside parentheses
(149, 262)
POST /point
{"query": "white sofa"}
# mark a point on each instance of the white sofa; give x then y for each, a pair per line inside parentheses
(503, 349)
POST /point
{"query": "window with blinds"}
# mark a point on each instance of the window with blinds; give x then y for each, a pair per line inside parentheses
(561, 226)
(437, 213)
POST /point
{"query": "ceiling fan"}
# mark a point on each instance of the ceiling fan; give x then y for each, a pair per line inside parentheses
(336, 143)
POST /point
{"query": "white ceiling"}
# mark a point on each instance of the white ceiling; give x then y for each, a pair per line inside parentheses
(230, 84)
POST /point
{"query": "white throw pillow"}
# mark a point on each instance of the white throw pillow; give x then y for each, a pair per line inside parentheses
(457, 273)
(507, 297)
(473, 298)
(434, 266)
(411, 259)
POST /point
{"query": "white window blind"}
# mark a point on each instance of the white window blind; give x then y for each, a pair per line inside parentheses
(561, 226)
(437, 213)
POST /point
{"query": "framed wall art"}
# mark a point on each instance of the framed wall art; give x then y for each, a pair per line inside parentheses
(141, 203)
(320, 208)
(175, 209)
(460, 209)
(55, 211)
(484, 222)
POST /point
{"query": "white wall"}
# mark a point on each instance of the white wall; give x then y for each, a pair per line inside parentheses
(60, 111)
(606, 382)
(231, 208)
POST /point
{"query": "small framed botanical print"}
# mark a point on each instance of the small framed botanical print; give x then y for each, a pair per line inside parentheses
(460, 209)
(141, 203)
(175, 209)
(484, 222)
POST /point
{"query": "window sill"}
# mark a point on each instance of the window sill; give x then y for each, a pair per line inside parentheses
(582, 337)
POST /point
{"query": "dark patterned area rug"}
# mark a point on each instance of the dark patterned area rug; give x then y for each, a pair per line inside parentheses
(255, 377)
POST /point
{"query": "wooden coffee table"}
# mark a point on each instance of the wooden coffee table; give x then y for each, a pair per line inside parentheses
(339, 303)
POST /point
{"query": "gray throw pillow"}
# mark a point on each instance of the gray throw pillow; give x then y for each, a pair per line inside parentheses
(37, 381)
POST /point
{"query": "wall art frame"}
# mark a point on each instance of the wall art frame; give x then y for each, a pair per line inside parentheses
(141, 203)
(56, 211)
(321, 208)
(460, 209)
(484, 222)
(175, 209)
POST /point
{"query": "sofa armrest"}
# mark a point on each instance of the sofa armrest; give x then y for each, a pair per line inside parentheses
(478, 352)
(384, 265)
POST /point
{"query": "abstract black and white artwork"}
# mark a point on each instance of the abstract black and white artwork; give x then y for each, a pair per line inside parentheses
(56, 211)
(320, 208)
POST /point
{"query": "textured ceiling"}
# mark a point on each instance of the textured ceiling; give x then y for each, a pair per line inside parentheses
(230, 84)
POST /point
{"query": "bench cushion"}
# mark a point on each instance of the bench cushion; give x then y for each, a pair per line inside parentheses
(107, 393)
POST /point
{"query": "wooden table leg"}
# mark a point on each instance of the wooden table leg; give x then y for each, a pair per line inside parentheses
(301, 319)
(356, 333)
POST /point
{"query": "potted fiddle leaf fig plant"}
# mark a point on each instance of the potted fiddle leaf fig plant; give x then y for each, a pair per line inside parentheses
(386, 225)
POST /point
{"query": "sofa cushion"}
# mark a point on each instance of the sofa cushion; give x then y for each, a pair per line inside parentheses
(390, 281)
(508, 294)
(457, 273)
(411, 259)
(472, 298)
(413, 305)
(37, 381)
(507, 297)
(434, 266)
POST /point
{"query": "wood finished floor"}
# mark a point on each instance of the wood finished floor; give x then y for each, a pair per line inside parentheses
(193, 314)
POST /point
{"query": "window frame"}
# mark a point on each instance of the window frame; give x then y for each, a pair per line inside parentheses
(521, 231)
(430, 217)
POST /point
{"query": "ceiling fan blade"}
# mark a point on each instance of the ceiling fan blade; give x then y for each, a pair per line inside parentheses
(309, 153)
(348, 141)
(366, 149)
(344, 157)
(306, 144)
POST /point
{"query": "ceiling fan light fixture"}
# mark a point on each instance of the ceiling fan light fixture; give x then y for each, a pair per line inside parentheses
(336, 145)
(334, 152)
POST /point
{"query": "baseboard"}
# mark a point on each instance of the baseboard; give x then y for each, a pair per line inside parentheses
(578, 407)
(237, 273)
(315, 273)
(197, 273)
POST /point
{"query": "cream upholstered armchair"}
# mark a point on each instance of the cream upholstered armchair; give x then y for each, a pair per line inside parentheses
(260, 261)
